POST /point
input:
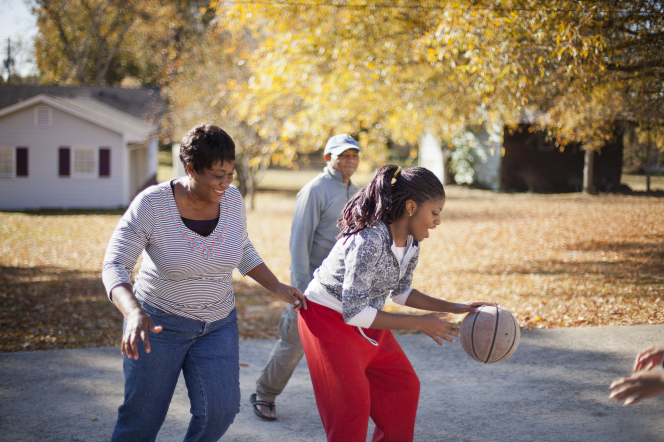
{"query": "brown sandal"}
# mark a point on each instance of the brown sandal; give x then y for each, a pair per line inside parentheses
(255, 402)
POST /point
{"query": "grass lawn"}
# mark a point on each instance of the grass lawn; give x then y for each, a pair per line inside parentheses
(562, 260)
(638, 182)
(165, 166)
(273, 179)
(293, 181)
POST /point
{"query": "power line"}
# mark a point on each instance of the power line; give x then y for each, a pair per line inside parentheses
(447, 7)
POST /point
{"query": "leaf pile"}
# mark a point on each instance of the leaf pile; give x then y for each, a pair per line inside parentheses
(50, 287)
(553, 260)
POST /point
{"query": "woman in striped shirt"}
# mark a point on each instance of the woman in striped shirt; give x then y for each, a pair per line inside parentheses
(180, 313)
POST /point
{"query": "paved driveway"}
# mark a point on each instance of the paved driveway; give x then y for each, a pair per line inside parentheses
(554, 388)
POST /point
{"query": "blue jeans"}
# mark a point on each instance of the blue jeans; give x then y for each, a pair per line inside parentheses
(207, 354)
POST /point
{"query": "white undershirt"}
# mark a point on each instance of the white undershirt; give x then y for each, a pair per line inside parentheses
(399, 252)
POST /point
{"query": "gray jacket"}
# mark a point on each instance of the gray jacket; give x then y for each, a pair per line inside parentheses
(361, 270)
(318, 207)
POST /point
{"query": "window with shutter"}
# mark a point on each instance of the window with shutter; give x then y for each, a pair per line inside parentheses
(21, 161)
(64, 162)
(84, 162)
(7, 162)
(104, 162)
(43, 116)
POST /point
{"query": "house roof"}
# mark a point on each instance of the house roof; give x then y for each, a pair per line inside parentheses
(144, 103)
(133, 128)
(108, 114)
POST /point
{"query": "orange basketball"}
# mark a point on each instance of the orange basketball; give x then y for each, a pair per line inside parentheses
(490, 336)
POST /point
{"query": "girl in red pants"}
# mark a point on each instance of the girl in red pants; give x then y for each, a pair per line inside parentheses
(357, 368)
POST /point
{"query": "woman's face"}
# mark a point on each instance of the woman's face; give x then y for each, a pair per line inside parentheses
(426, 216)
(211, 184)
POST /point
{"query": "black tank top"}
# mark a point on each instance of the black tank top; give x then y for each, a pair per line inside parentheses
(202, 227)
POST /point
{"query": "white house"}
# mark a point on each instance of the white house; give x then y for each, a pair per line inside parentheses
(523, 158)
(73, 150)
(487, 153)
(431, 156)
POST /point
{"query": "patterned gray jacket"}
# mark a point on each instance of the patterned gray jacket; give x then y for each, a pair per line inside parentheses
(362, 270)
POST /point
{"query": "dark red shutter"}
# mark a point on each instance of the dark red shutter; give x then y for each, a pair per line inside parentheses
(63, 161)
(21, 161)
(104, 162)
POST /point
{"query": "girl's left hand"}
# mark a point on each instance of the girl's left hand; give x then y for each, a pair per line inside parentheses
(292, 296)
(471, 307)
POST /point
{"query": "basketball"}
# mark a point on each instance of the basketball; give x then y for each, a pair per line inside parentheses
(490, 336)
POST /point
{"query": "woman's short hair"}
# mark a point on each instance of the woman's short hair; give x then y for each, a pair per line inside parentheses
(205, 145)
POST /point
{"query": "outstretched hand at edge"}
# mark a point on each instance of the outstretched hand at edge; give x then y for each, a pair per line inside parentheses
(640, 386)
(649, 358)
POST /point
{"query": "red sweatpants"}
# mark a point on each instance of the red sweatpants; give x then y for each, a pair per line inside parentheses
(354, 380)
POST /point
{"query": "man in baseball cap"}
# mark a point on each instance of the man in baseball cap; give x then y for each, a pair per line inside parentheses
(340, 143)
(318, 206)
(342, 154)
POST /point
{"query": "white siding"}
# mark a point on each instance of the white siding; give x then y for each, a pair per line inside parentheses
(431, 156)
(138, 166)
(43, 188)
(487, 165)
(153, 158)
(178, 168)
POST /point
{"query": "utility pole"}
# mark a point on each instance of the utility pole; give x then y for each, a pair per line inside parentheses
(589, 172)
(648, 166)
(8, 62)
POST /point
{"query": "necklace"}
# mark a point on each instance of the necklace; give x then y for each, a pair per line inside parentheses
(193, 241)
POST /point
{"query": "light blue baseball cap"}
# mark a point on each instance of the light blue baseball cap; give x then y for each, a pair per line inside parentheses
(339, 144)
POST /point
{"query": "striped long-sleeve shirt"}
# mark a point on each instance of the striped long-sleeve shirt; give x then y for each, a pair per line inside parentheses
(182, 272)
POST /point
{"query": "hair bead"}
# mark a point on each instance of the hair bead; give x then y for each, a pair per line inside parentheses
(394, 180)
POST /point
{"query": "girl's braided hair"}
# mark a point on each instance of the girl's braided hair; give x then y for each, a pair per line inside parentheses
(385, 197)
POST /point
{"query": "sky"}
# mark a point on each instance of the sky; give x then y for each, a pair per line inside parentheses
(17, 23)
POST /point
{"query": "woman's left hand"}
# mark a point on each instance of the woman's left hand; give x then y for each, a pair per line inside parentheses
(291, 295)
(471, 307)
(262, 275)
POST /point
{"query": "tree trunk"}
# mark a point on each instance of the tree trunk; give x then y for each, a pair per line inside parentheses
(448, 176)
(250, 190)
(245, 180)
(589, 172)
(648, 166)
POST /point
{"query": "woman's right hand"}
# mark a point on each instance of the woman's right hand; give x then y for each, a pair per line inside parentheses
(138, 322)
(138, 325)
(432, 325)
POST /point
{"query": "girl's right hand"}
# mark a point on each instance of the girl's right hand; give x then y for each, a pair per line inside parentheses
(432, 325)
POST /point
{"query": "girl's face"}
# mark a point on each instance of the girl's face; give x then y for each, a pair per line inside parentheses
(425, 216)
(212, 183)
